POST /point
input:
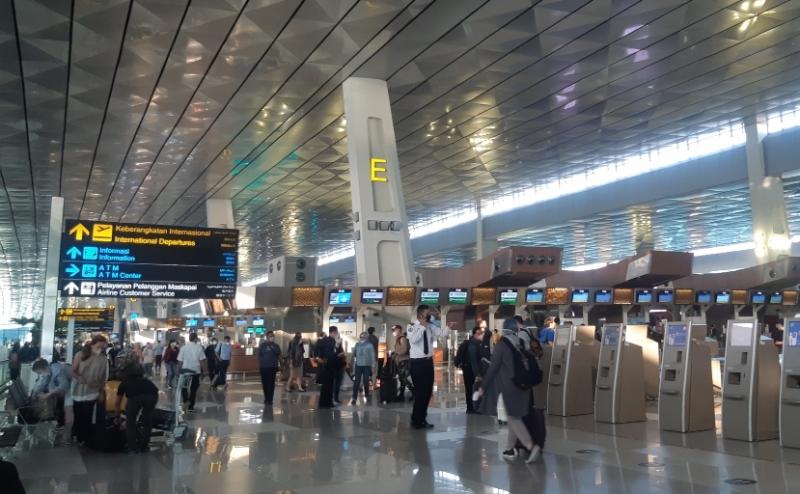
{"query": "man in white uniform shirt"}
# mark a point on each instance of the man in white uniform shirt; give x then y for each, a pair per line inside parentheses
(421, 335)
(192, 360)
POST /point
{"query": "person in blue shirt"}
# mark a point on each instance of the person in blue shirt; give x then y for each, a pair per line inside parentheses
(224, 350)
(363, 360)
(547, 333)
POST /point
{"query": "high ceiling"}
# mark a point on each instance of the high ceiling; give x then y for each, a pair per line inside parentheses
(139, 110)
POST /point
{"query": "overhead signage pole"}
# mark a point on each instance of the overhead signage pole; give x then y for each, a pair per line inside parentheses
(147, 261)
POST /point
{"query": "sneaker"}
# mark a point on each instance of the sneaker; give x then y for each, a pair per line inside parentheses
(510, 454)
(534, 455)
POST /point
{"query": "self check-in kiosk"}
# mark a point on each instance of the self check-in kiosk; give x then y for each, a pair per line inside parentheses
(750, 384)
(570, 386)
(686, 394)
(790, 386)
(620, 388)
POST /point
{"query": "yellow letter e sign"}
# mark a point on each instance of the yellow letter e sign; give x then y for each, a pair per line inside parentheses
(375, 169)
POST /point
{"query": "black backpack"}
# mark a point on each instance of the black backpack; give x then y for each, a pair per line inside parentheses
(461, 354)
(527, 372)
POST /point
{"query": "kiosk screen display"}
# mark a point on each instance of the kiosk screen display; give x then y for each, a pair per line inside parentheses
(260, 330)
(580, 296)
(677, 334)
(508, 297)
(191, 323)
(703, 297)
(258, 321)
(611, 336)
(209, 323)
(758, 298)
(241, 322)
(644, 297)
(665, 297)
(722, 298)
(792, 337)
(372, 296)
(741, 334)
(457, 296)
(603, 296)
(429, 297)
(776, 298)
(340, 297)
(534, 296)
(562, 336)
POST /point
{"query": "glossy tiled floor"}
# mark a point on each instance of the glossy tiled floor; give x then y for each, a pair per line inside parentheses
(237, 446)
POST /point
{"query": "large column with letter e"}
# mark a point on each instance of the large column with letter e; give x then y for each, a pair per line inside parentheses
(383, 249)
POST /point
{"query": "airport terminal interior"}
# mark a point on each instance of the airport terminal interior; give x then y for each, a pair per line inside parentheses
(569, 228)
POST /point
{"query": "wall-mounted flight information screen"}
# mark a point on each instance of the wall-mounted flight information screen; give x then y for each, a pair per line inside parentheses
(100, 259)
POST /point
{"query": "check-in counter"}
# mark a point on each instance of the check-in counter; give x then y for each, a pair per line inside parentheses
(243, 360)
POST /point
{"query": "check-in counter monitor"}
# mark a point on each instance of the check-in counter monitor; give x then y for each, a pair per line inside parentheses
(750, 385)
(571, 384)
(686, 395)
(790, 386)
(651, 356)
(620, 393)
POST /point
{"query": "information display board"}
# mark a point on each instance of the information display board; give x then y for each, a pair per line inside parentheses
(429, 296)
(101, 259)
(534, 296)
(508, 296)
(87, 318)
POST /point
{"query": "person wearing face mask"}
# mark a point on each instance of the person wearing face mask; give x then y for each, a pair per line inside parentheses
(269, 354)
(327, 365)
(211, 358)
(401, 358)
(90, 371)
(171, 361)
(498, 384)
(341, 365)
(363, 360)
(421, 335)
(296, 357)
(51, 387)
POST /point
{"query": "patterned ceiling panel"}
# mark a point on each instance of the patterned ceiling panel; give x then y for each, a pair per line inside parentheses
(140, 110)
(718, 216)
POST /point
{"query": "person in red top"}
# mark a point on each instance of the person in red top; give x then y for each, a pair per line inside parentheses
(171, 361)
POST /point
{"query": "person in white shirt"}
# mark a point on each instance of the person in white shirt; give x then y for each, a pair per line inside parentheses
(421, 335)
(192, 359)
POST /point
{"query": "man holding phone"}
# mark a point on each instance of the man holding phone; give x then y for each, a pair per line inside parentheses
(421, 334)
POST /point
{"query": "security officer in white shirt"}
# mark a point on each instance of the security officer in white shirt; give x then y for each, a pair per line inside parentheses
(421, 335)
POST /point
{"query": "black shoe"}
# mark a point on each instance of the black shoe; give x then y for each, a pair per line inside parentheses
(472, 412)
(427, 425)
(419, 426)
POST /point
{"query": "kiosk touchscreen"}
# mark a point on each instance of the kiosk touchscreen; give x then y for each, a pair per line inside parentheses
(790, 386)
(620, 393)
(571, 384)
(749, 384)
(686, 396)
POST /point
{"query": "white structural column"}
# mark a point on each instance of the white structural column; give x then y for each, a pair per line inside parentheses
(51, 288)
(383, 249)
(483, 246)
(219, 213)
(770, 227)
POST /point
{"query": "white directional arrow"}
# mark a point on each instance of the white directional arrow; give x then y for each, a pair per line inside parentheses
(71, 288)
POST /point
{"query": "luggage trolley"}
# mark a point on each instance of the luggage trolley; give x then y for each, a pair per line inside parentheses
(172, 421)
